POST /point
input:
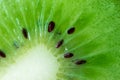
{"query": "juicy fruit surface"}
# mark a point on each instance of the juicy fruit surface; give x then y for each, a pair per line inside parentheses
(95, 39)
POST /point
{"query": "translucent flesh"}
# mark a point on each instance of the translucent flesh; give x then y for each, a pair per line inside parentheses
(96, 37)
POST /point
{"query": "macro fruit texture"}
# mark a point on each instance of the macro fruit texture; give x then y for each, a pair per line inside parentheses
(59, 39)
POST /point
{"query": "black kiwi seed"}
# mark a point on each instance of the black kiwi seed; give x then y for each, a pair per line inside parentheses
(79, 62)
(2, 54)
(71, 30)
(51, 26)
(59, 43)
(25, 33)
(68, 55)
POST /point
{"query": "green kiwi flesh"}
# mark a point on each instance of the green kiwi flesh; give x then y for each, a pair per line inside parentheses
(59, 39)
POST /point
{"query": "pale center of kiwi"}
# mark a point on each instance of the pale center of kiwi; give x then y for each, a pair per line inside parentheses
(37, 64)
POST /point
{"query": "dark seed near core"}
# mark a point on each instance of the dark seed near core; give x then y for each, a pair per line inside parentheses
(2, 54)
(71, 30)
(51, 26)
(79, 62)
(59, 43)
(68, 55)
(25, 33)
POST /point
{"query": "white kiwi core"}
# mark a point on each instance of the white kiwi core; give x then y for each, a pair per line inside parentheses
(37, 64)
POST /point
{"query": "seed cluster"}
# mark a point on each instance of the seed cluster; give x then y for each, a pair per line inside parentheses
(51, 27)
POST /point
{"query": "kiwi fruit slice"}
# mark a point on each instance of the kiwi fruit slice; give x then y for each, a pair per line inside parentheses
(59, 39)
